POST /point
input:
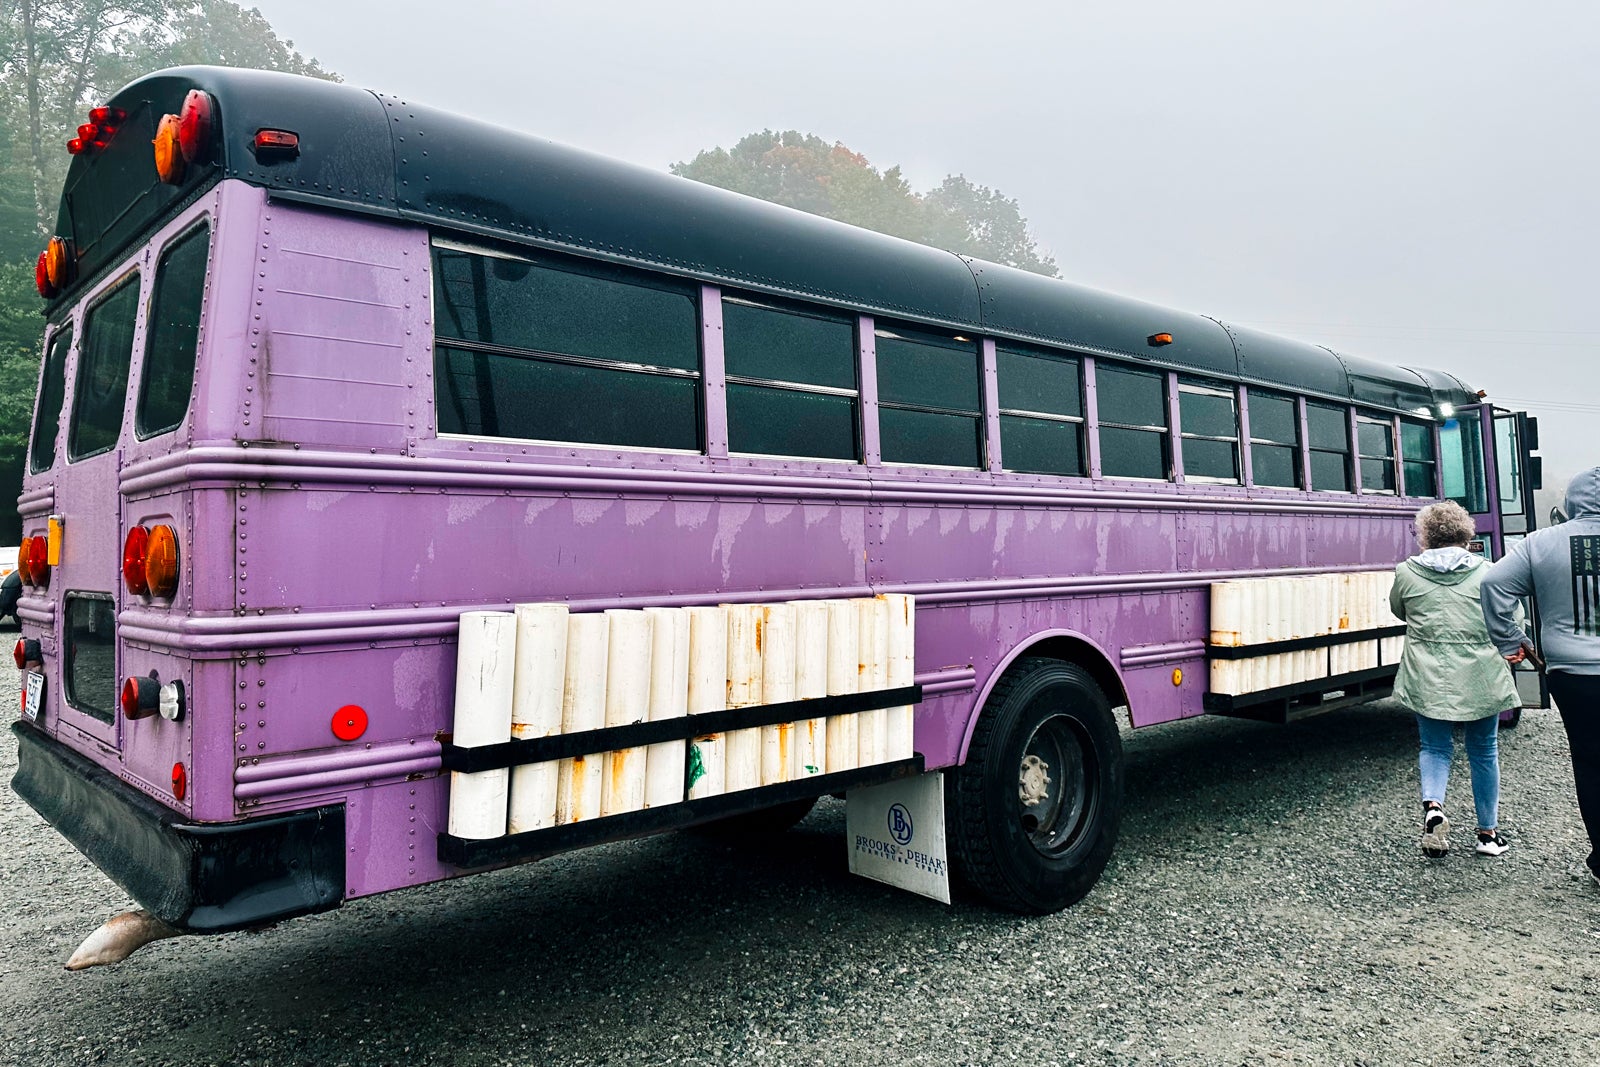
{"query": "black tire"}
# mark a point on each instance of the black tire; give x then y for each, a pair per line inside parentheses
(773, 820)
(1033, 813)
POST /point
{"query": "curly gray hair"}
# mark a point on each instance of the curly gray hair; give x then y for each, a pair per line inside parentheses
(1445, 524)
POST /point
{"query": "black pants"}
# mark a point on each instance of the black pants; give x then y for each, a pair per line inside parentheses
(1578, 698)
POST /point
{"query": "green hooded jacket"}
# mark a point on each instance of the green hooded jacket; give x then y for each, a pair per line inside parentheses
(1449, 670)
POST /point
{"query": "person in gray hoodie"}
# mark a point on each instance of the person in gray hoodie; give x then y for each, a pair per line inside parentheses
(1560, 568)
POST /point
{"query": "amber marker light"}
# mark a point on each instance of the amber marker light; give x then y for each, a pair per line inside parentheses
(169, 157)
(161, 562)
(1159, 339)
(58, 262)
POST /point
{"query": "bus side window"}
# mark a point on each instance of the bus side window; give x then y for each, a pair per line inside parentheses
(1133, 422)
(563, 350)
(1329, 430)
(1274, 440)
(1462, 473)
(52, 390)
(1208, 425)
(171, 333)
(1417, 458)
(792, 387)
(1375, 450)
(99, 395)
(1041, 411)
(928, 401)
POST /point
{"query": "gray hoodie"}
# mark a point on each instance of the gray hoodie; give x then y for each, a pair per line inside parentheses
(1560, 567)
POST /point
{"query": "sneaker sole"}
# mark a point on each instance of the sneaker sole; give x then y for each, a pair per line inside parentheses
(1436, 842)
(1500, 850)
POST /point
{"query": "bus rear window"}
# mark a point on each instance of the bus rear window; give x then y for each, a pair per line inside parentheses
(171, 334)
(52, 389)
(91, 654)
(99, 395)
(569, 352)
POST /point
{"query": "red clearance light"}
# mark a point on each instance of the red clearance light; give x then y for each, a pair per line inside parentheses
(141, 697)
(277, 143)
(89, 131)
(180, 781)
(161, 562)
(134, 553)
(76, 145)
(41, 277)
(107, 116)
(194, 125)
(169, 157)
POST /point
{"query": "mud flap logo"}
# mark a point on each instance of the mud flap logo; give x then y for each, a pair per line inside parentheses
(896, 835)
(1586, 585)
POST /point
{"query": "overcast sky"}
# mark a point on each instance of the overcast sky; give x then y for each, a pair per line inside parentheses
(1411, 181)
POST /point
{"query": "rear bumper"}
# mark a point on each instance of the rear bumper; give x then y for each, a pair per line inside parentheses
(203, 878)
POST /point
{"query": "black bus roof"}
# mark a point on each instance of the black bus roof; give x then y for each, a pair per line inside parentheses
(383, 155)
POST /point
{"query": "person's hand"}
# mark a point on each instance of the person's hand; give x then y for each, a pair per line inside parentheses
(1518, 656)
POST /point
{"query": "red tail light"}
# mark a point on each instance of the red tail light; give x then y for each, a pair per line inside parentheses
(180, 781)
(141, 697)
(41, 276)
(161, 562)
(194, 125)
(134, 554)
(20, 653)
(32, 562)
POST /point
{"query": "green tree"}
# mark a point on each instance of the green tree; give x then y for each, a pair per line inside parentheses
(803, 171)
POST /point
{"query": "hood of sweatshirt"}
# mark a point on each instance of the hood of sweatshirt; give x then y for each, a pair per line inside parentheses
(1583, 495)
(1445, 566)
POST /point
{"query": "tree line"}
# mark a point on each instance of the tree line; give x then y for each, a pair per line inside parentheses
(59, 58)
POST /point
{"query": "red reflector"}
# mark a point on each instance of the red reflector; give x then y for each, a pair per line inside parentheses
(194, 125)
(349, 722)
(277, 141)
(180, 781)
(133, 561)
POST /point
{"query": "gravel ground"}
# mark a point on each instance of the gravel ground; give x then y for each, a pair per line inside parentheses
(1267, 905)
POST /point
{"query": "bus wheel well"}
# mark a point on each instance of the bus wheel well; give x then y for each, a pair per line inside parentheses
(1076, 650)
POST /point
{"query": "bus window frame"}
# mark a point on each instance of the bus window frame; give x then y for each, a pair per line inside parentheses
(136, 390)
(1388, 423)
(1186, 383)
(1162, 432)
(68, 359)
(1249, 437)
(135, 274)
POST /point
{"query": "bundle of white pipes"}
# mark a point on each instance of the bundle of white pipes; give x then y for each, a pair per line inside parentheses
(541, 671)
(1257, 611)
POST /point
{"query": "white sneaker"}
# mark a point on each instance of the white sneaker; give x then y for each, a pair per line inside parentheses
(1490, 843)
(1435, 833)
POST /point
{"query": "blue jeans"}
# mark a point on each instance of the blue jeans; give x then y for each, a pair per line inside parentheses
(1483, 760)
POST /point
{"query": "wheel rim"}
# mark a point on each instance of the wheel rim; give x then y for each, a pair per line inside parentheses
(1054, 794)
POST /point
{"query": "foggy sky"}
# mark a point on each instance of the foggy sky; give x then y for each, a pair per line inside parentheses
(1412, 182)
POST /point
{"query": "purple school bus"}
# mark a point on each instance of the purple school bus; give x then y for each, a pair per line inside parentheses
(324, 370)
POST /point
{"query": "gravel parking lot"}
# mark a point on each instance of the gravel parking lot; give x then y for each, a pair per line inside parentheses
(1267, 905)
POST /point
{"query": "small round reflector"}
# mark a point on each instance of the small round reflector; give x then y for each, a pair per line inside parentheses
(41, 276)
(169, 157)
(180, 781)
(141, 696)
(161, 562)
(133, 561)
(58, 262)
(349, 722)
(194, 125)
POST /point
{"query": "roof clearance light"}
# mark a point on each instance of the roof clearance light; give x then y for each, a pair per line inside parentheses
(58, 262)
(41, 277)
(76, 145)
(276, 144)
(161, 562)
(1158, 339)
(134, 554)
(169, 157)
(194, 125)
(1447, 411)
(107, 116)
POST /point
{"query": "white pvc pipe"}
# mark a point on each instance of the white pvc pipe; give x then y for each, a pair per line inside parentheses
(1225, 602)
(536, 710)
(627, 702)
(669, 699)
(844, 672)
(708, 691)
(485, 676)
(873, 619)
(778, 686)
(742, 756)
(811, 681)
(583, 707)
(901, 661)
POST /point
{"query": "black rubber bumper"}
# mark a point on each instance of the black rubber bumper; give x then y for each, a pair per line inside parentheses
(204, 878)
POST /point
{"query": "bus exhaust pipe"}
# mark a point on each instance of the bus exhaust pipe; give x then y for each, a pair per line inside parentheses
(119, 938)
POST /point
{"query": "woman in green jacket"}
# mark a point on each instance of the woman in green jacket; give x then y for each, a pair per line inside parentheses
(1450, 673)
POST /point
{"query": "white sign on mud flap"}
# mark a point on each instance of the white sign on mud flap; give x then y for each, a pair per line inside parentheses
(896, 835)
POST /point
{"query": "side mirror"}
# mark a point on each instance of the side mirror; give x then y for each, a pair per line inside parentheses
(1530, 433)
(1535, 472)
(1557, 516)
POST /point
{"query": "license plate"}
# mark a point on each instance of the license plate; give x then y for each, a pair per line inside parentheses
(33, 695)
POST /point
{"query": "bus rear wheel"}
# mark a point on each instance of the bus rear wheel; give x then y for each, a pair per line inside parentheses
(1036, 807)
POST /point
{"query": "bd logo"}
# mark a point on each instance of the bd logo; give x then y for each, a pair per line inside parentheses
(900, 824)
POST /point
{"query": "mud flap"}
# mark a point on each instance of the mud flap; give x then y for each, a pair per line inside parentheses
(896, 835)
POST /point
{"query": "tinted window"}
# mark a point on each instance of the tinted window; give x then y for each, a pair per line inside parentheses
(565, 351)
(1208, 421)
(1375, 446)
(1417, 458)
(91, 673)
(791, 381)
(99, 396)
(52, 389)
(1329, 430)
(1133, 422)
(928, 410)
(1274, 440)
(171, 333)
(1041, 411)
